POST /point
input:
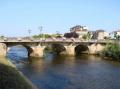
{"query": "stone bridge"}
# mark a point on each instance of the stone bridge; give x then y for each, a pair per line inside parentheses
(36, 48)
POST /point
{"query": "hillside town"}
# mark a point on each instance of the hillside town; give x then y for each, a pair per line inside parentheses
(78, 31)
(83, 32)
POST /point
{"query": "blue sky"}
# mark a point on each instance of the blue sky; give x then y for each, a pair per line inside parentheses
(17, 16)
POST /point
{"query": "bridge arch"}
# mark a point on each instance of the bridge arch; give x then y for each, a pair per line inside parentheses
(56, 48)
(80, 49)
(29, 49)
(26, 50)
(33, 51)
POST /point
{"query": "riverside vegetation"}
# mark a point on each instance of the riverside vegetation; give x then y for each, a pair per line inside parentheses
(112, 51)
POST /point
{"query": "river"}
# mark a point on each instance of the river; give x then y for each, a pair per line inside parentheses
(64, 72)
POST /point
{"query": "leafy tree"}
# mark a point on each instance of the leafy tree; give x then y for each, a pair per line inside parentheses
(2, 37)
(117, 37)
(84, 36)
(87, 36)
(71, 35)
(44, 36)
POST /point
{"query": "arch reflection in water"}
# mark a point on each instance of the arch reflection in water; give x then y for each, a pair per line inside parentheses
(17, 53)
(57, 49)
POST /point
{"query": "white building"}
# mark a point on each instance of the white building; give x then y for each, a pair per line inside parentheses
(80, 30)
(100, 34)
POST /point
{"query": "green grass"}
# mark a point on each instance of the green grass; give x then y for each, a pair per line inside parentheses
(10, 78)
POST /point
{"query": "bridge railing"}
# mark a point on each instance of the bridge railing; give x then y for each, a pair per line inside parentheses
(50, 40)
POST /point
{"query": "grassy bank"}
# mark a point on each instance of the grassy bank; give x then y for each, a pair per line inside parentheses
(112, 51)
(10, 77)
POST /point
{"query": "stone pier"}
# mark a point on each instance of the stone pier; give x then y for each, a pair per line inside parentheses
(95, 48)
(70, 50)
(37, 51)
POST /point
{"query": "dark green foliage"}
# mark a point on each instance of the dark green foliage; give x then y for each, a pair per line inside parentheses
(84, 36)
(41, 36)
(112, 50)
(87, 36)
(71, 35)
(46, 35)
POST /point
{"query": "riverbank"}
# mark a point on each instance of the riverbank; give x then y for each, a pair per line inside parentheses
(112, 51)
(11, 78)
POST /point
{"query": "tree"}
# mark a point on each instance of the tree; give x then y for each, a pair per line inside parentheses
(87, 36)
(117, 37)
(71, 35)
(112, 50)
(84, 36)
(2, 37)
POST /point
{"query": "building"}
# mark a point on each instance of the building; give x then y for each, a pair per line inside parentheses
(100, 34)
(80, 30)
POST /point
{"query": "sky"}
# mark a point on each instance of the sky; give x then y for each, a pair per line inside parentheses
(18, 16)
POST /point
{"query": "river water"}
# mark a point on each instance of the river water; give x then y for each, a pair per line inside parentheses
(64, 72)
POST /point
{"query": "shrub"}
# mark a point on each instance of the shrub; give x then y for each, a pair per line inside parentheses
(112, 50)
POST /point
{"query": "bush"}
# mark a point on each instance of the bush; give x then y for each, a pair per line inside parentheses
(112, 50)
(71, 35)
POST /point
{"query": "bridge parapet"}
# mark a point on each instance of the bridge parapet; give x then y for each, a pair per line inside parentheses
(55, 40)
